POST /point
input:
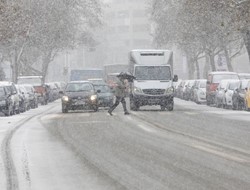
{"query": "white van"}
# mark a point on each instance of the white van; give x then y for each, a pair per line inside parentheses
(154, 79)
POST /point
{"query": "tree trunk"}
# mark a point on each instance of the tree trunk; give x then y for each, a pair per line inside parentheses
(14, 66)
(46, 62)
(211, 60)
(246, 36)
(190, 67)
(198, 74)
(229, 64)
(206, 67)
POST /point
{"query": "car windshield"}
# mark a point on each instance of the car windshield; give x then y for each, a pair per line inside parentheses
(78, 87)
(233, 85)
(218, 78)
(203, 84)
(152, 73)
(243, 84)
(102, 88)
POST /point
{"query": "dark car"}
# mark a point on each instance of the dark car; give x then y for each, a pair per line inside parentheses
(79, 95)
(6, 102)
(238, 98)
(105, 95)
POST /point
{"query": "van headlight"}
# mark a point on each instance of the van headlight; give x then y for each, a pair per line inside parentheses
(93, 97)
(137, 90)
(65, 98)
(169, 90)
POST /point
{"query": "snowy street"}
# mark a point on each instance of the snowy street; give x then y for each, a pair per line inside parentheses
(203, 147)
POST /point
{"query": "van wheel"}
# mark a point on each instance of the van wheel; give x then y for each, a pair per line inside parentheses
(8, 112)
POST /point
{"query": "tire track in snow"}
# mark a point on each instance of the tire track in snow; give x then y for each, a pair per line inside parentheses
(9, 166)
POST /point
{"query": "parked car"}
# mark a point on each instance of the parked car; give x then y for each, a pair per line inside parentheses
(231, 86)
(187, 90)
(105, 95)
(199, 92)
(6, 102)
(23, 98)
(33, 99)
(213, 81)
(247, 97)
(180, 89)
(53, 91)
(176, 85)
(14, 96)
(220, 96)
(79, 95)
(238, 97)
(243, 76)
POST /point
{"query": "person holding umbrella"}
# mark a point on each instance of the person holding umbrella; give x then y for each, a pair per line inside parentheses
(120, 93)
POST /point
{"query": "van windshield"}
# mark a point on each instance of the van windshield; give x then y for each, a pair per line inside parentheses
(152, 73)
(217, 78)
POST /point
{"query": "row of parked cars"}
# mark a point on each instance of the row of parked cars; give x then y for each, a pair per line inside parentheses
(222, 89)
(18, 98)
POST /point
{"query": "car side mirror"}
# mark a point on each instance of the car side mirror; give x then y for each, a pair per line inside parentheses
(61, 92)
(14, 92)
(246, 89)
(175, 79)
(225, 90)
(98, 91)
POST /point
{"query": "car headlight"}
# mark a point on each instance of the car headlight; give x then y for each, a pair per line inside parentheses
(65, 98)
(138, 90)
(93, 97)
(169, 90)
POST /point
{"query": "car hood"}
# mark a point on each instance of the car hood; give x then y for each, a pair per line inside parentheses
(78, 94)
(107, 94)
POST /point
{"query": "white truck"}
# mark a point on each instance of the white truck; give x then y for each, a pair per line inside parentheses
(154, 79)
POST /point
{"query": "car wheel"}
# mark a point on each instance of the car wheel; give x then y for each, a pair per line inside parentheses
(170, 106)
(133, 105)
(163, 107)
(246, 106)
(8, 111)
(96, 108)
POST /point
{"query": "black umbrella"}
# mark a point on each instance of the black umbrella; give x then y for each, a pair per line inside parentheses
(126, 75)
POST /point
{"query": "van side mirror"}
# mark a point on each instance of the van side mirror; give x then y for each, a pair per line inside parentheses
(175, 79)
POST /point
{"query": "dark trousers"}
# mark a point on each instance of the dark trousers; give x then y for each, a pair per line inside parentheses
(117, 101)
